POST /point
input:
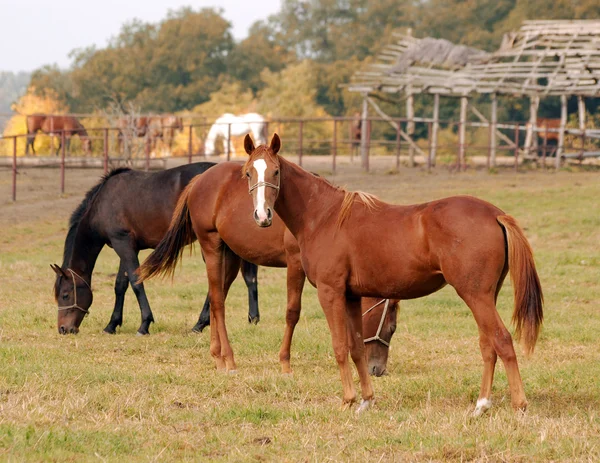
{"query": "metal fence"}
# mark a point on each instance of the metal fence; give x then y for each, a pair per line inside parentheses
(331, 139)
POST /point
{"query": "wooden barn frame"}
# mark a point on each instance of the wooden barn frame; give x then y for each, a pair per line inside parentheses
(543, 58)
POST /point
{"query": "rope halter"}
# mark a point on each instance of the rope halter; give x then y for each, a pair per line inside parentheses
(259, 184)
(75, 305)
(377, 336)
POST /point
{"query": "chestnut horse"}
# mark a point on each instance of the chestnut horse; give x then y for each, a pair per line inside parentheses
(129, 211)
(354, 245)
(216, 208)
(55, 125)
(155, 127)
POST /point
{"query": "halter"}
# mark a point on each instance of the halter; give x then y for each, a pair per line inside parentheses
(377, 337)
(75, 306)
(259, 184)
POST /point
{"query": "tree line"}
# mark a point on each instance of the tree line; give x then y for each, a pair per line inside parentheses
(190, 59)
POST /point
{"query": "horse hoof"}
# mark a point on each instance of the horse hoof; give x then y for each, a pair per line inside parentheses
(199, 328)
(482, 406)
(110, 330)
(141, 333)
(364, 406)
(232, 372)
(254, 320)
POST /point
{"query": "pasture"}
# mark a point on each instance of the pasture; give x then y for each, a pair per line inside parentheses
(98, 397)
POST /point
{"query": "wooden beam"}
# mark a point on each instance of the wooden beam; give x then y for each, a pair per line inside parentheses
(410, 123)
(534, 103)
(561, 134)
(364, 153)
(464, 102)
(435, 128)
(493, 129)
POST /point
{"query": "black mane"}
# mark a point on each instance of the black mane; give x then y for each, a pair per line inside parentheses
(81, 210)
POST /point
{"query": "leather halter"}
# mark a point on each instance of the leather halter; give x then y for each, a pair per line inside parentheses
(75, 305)
(377, 337)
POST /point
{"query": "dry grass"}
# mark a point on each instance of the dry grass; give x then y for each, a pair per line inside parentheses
(96, 397)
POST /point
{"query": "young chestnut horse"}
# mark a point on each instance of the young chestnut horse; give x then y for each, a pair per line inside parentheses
(55, 125)
(354, 245)
(215, 208)
(129, 211)
(240, 125)
(156, 127)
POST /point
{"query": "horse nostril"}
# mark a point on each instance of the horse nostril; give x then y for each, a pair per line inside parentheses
(256, 216)
(62, 330)
(269, 214)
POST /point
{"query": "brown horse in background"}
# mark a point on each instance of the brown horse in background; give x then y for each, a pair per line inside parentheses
(354, 245)
(155, 127)
(216, 208)
(56, 125)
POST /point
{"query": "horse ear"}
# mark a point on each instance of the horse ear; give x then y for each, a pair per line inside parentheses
(275, 143)
(248, 144)
(59, 271)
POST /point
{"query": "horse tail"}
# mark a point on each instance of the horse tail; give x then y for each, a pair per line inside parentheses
(164, 258)
(528, 313)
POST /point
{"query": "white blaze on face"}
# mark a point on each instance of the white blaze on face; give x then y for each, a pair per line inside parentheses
(261, 210)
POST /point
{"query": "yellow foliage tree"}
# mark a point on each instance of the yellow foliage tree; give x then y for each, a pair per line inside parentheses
(31, 103)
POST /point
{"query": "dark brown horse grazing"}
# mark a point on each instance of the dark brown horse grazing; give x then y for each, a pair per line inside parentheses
(216, 208)
(354, 245)
(129, 211)
(55, 125)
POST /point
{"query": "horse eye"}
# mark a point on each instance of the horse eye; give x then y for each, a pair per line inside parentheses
(65, 296)
(248, 174)
(277, 172)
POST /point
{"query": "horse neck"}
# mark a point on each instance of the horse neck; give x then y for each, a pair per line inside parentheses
(81, 130)
(306, 202)
(82, 247)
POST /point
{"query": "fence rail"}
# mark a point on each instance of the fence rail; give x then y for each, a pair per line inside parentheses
(306, 136)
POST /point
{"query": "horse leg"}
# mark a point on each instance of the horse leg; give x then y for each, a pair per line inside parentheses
(489, 356)
(491, 325)
(204, 319)
(333, 303)
(129, 256)
(250, 273)
(357, 352)
(30, 141)
(121, 285)
(295, 284)
(68, 145)
(218, 260)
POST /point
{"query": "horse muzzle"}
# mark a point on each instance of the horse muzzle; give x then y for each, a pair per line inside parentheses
(264, 219)
(64, 330)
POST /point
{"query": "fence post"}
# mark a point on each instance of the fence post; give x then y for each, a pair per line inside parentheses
(14, 170)
(229, 141)
(105, 150)
(368, 145)
(300, 144)
(516, 147)
(545, 149)
(190, 144)
(398, 144)
(429, 143)
(147, 168)
(334, 143)
(62, 162)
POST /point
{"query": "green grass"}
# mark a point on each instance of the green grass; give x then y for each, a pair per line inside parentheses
(95, 397)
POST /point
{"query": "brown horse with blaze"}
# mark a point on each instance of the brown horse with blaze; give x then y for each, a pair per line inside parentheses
(354, 245)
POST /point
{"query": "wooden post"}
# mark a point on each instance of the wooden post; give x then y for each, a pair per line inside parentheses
(545, 147)
(561, 134)
(190, 143)
(516, 147)
(334, 150)
(531, 134)
(14, 169)
(105, 151)
(368, 144)
(581, 117)
(493, 124)
(300, 143)
(398, 145)
(429, 131)
(229, 141)
(363, 132)
(435, 129)
(462, 133)
(410, 124)
(62, 162)
(147, 150)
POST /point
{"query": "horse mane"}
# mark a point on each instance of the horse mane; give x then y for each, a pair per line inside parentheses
(370, 201)
(82, 209)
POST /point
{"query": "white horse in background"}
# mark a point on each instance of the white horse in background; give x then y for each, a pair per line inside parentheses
(240, 125)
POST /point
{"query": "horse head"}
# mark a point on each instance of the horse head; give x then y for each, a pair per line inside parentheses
(74, 297)
(262, 171)
(379, 325)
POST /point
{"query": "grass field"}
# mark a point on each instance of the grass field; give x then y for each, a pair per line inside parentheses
(96, 397)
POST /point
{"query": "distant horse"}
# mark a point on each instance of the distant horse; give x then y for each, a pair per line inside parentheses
(354, 245)
(216, 208)
(129, 211)
(155, 127)
(240, 125)
(56, 125)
